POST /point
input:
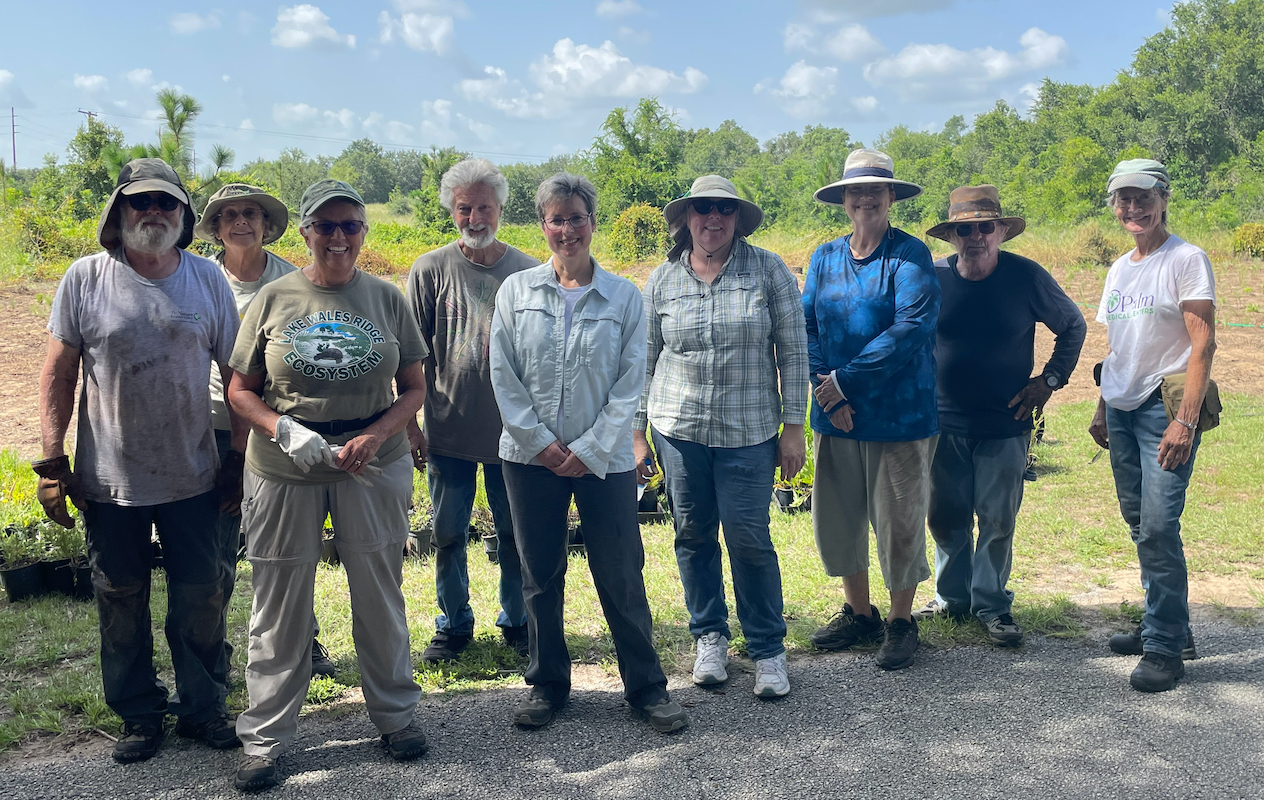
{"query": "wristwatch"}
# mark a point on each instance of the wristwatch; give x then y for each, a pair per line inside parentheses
(1052, 381)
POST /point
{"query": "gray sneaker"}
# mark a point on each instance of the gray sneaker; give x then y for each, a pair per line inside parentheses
(665, 716)
(1003, 631)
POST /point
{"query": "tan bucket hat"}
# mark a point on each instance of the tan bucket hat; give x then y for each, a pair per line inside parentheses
(749, 215)
(144, 175)
(866, 166)
(278, 214)
(976, 204)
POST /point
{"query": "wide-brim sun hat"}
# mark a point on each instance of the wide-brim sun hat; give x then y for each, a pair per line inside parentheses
(324, 191)
(976, 204)
(138, 176)
(866, 166)
(1138, 173)
(278, 214)
(716, 187)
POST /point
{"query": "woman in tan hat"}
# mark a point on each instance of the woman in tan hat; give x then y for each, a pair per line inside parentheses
(242, 219)
(726, 391)
(871, 301)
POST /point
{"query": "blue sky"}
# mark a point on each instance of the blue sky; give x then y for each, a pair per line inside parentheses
(526, 80)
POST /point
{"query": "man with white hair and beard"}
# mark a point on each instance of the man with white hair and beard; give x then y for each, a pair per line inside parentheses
(144, 320)
(452, 290)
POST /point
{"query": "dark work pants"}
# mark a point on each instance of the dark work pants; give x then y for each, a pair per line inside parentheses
(612, 536)
(121, 555)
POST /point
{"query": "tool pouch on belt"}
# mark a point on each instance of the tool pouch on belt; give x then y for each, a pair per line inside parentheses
(1172, 390)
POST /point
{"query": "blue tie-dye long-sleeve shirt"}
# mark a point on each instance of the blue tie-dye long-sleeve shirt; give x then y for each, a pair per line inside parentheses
(873, 321)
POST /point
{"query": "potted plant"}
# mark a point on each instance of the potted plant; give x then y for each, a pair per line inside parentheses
(60, 547)
(649, 509)
(420, 535)
(328, 547)
(20, 554)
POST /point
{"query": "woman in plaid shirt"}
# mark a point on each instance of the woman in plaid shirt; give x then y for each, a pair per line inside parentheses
(726, 368)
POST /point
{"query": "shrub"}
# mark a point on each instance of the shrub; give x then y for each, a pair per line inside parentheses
(1248, 240)
(639, 234)
(1093, 246)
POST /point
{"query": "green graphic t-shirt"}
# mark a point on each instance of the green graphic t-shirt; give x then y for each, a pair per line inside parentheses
(329, 353)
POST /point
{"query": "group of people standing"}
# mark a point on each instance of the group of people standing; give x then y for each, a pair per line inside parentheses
(556, 378)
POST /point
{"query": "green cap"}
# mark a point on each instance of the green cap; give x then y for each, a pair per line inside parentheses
(1138, 173)
(322, 192)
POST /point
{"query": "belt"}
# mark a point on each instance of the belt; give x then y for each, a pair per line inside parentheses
(337, 427)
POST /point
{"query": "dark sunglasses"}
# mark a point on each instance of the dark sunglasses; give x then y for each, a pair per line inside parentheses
(142, 202)
(985, 228)
(727, 208)
(350, 227)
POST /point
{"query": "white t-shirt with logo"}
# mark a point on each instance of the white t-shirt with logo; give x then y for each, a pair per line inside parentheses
(1141, 308)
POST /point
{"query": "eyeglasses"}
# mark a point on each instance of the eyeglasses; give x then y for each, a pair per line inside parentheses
(231, 215)
(866, 189)
(577, 222)
(142, 202)
(326, 228)
(725, 208)
(966, 230)
(1139, 200)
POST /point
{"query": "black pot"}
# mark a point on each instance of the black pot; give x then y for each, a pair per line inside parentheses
(419, 544)
(329, 552)
(22, 583)
(575, 539)
(649, 501)
(785, 498)
(58, 576)
(491, 546)
(83, 582)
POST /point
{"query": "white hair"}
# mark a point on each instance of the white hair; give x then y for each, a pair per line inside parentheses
(152, 239)
(470, 172)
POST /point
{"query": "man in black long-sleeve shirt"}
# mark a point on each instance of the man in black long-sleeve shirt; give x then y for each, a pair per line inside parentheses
(984, 349)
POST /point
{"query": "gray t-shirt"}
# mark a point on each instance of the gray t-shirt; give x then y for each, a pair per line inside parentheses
(453, 300)
(144, 435)
(243, 292)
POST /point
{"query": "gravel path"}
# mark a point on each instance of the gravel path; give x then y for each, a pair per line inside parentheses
(1054, 720)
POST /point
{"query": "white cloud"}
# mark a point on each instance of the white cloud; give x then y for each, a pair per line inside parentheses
(509, 97)
(247, 125)
(613, 9)
(224, 78)
(440, 126)
(344, 118)
(10, 94)
(292, 113)
(91, 83)
(854, 43)
(141, 77)
(421, 32)
(940, 71)
(306, 25)
(189, 23)
(865, 105)
(798, 36)
(804, 89)
(1029, 94)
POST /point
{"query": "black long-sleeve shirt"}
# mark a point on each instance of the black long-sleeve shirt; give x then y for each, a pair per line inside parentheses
(986, 339)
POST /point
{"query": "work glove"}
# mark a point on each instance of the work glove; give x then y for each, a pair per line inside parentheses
(304, 445)
(228, 483)
(56, 483)
(367, 469)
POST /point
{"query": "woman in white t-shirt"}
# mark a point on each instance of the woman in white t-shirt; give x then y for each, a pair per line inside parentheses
(1159, 306)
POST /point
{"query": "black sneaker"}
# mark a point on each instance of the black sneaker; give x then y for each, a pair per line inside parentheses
(219, 731)
(1157, 673)
(536, 711)
(445, 647)
(665, 715)
(1130, 644)
(847, 629)
(139, 742)
(900, 645)
(321, 664)
(516, 637)
(405, 744)
(255, 773)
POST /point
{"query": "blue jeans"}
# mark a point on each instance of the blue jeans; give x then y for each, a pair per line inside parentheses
(970, 477)
(453, 483)
(729, 486)
(1151, 500)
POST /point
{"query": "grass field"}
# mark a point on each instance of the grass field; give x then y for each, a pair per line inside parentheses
(1070, 541)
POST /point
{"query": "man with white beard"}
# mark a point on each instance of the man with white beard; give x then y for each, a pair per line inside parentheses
(144, 320)
(452, 290)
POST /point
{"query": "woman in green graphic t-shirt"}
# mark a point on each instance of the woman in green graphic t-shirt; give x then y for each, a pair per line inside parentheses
(313, 367)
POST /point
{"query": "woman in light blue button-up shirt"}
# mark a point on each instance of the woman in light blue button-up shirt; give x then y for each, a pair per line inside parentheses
(568, 365)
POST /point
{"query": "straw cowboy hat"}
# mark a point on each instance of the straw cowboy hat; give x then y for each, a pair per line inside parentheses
(136, 177)
(866, 166)
(976, 204)
(749, 215)
(278, 214)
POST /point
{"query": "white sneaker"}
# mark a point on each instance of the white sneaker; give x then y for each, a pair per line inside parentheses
(712, 659)
(770, 677)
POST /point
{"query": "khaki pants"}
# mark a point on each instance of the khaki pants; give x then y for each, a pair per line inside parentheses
(283, 523)
(886, 484)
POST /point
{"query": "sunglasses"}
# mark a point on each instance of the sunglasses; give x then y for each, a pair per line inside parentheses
(726, 208)
(350, 227)
(142, 202)
(966, 230)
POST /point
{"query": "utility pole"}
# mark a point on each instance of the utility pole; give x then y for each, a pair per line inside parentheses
(13, 134)
(89, 114)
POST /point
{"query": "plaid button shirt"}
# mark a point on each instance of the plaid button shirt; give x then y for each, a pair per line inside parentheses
(716, 353)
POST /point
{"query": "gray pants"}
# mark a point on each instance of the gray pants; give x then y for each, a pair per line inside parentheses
(282, 523)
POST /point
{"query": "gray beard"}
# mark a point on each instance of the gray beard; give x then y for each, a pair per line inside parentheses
(478, 240)
(150, 239)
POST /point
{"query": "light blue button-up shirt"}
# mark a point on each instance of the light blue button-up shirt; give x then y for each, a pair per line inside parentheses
(600, 366)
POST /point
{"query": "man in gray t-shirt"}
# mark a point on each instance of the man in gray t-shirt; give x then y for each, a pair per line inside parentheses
(144, 320)
(452, 291)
